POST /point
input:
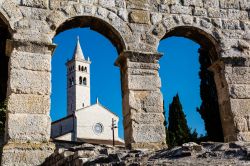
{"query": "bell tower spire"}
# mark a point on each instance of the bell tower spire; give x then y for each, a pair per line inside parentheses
(78, 54)
(78, 80)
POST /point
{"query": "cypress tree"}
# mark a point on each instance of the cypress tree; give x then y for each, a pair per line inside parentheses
(165, 124)
(209, 109)
(179, 132)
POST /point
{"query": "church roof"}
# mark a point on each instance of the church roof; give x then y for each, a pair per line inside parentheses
(86, 108)
(78, 54)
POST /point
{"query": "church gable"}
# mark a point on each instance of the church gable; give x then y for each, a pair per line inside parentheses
(97, 109)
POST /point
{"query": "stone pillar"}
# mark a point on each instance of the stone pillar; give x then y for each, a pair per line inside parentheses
(142, 100)
(237, 75)
(224, 101)
(232, 76)
(27, 132)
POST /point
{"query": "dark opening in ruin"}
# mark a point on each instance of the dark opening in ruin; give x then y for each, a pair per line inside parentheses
(4, 60)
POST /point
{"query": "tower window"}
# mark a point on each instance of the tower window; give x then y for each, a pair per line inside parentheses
(85, 69)
(80, 80)
(84, 81)
(79, 68)
(72, 81)
(82, 68)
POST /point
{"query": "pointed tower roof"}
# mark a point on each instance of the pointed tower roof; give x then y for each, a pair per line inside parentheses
(78, 54)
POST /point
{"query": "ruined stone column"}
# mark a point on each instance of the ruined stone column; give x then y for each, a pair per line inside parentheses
(224, 101)
(237, 75)
(232, 76)
(142, 100)
(28, 122)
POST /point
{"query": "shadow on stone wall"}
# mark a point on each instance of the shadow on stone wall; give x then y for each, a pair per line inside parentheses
(1, 147)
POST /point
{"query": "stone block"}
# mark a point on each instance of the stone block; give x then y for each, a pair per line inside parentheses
(238, 75)
(237, 14)
(138, 4)
(28, 81)
(26, 153)
(151, 146)
(240, 107)
(143, 102)
(107, 3)
(211, 3)
(243, 136)
(136, 65)
(156, 18)
(239, 91)
(187, 19)
(30, 61)
(206, 23)
(120, 3)
(148, 82)
(140, 17)
(148, 133)
(143, 118)
(214, 12)
(197, 11)
(28, 103)
(142, 72)
(245, 4)
(178, 9)
(86, 2)
(28, 127)
(36, 3)
(197, 3)
(230, 4)
(25, 35)
(11, 10)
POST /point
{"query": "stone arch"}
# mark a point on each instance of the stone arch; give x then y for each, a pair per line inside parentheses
(97, 25)
(200, 36)
(113, 27)
(10, 13)
(211, 46)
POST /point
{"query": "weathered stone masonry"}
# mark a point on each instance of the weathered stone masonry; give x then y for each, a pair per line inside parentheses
(135, 27)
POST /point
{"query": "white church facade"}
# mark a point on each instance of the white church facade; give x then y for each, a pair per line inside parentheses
(84, 122)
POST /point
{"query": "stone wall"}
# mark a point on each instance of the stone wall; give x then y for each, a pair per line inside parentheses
(135, 27)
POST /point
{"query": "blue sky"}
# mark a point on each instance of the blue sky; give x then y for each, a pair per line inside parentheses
(179, 73)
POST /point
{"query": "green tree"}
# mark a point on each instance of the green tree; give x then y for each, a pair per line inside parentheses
(209, 109)
(179, 132)
(2, 117)
(165, 124)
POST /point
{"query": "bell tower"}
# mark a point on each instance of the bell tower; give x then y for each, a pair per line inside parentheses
(78, 80)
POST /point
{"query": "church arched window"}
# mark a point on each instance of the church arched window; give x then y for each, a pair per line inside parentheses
(80, 80)
(79, 67)
(82, 68)
(84, 81)
(85, 69)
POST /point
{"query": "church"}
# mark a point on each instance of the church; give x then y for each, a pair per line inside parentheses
(84, 122)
